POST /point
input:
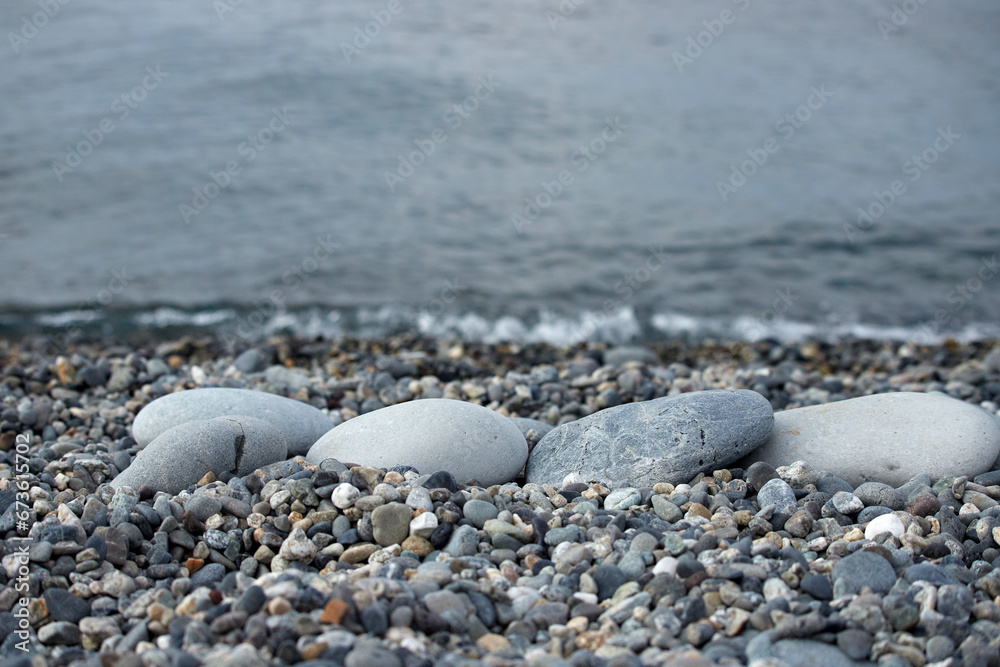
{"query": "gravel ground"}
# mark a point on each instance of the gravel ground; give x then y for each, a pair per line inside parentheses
(342, 564)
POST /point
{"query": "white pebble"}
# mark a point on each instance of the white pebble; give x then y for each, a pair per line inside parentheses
(776, 588)
(886, 523)
(666, 565)
(279, 497)
(298, 547)
(968, 508)
(423, 524)
(344, 495)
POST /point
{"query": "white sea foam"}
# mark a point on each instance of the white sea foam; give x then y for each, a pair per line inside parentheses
(545, 326)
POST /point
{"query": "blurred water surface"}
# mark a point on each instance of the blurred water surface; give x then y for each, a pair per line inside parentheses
(311, 233)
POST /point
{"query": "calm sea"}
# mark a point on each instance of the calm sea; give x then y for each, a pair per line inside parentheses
(533, 170)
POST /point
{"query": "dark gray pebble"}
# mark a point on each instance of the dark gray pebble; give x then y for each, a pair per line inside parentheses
(931, 573)
(877, 493)
(374, 619)
(64, 606)
(817, 586)
(760, 473)
(855, 643)
(869, 513)
(860, 569)
(251, 601)
(988, 478)
(955, 601)
(162, 571)
(208, 575)
(442, 479)
(832, 484)
(202, 506)
(608, 578)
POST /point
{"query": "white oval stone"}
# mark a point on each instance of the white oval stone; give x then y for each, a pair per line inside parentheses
(298, 547)
(344, 495)
(776, 588)
(423, 524)
(884, 523)
(885, 438)
(666, 565)
(467, 440)
(300, 424)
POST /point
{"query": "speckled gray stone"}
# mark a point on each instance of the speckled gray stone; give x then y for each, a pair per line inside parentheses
(300, 424)
(467, 440)
(885, 438)
(622, 499)
(181, 456)
(668, 439)
(777, 492)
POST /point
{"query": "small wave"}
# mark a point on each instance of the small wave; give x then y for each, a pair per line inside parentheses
(790, 331)
(68, 317)
(173, 317)
(623, 325)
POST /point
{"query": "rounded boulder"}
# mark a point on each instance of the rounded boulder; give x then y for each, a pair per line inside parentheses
(467, 440)
(885, 438)
(667, 439)
(181, 456)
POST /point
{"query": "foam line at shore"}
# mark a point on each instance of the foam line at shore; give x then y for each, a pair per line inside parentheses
(543, 326)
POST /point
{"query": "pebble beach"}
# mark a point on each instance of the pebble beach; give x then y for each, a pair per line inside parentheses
(410, 502)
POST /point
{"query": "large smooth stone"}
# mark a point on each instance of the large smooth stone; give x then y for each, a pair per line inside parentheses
(668, 439)
(181, 456)
(885, 438)
(467, 440)
(300, 424)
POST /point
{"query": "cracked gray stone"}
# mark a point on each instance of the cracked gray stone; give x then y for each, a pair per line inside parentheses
(181, 456)
(668, 439)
